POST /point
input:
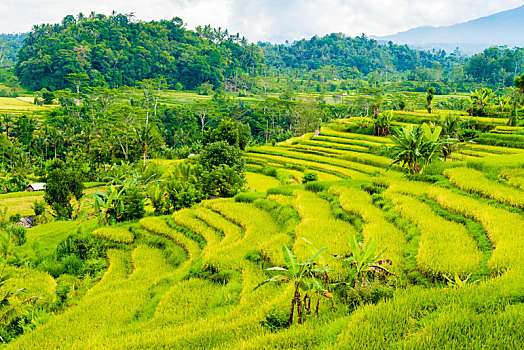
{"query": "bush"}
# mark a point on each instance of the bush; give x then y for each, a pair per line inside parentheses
(364, 293)
(38, 207)
(52, 267)
(276, 319)
(62, 185)
(270, 171)
(221, 153)
(205, 89)
(73, 265)
(182, 195)
(223, 181)
(133, 203)
(248, 197)
(18, 234)
(282, 190)
(316, 186)
(15, 218)
(309, 176)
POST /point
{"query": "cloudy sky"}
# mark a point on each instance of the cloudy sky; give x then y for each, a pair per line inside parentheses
(265, 20)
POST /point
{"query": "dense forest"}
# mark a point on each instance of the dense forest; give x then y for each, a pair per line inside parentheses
(9, 46)
(358, 54)
(114, 51)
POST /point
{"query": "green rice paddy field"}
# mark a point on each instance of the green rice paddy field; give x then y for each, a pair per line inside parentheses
(467, 223)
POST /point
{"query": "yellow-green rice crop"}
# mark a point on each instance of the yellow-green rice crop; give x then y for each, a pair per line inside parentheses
(282, 153)
(472, 180)
(387, 235)
(37, 283)
(446, 248)
(319, 227)
(160, 227)
(261, 233)
(514, 177)
(260, 183)
(348, 135)
(315, 142)
(493, 149)
(118, 235)
(325, 172)
(505, 229)
(187, 219)
(332, 169)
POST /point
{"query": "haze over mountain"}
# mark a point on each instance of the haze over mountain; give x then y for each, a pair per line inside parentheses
(499, 29)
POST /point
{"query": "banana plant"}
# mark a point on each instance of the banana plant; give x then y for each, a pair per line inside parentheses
(302, 276)
(416, 146)
(365, 260)
(456, 282)
(108, 206)
(157, 195)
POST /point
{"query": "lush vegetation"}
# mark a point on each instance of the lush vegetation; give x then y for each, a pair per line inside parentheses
(260, 215)
(114, 51)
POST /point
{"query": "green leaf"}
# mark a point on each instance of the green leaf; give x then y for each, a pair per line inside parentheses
(291, 260)
(314, 256)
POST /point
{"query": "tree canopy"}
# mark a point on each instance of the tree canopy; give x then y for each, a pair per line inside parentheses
(115, 50)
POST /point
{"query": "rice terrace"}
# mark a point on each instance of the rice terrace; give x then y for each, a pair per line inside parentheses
(164, 186)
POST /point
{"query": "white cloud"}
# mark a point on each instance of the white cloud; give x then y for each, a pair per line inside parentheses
(273, 20)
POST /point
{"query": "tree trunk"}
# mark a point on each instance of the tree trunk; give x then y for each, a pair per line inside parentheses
(293, 301)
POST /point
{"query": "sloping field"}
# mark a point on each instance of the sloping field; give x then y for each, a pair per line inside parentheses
(187, 281)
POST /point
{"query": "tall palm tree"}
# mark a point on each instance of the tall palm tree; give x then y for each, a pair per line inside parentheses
(7, 122)
(146, 137)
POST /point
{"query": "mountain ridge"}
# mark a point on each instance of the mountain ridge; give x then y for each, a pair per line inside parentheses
(504, 28)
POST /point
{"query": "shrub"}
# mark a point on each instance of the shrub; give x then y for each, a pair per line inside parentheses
(364, 293)
(18, 234)
(309, 176)
(316, 186)
(248, 197)
(223, 181)
(73, 265)
(38, 207)
(275, 320)
(183, 195)
(221, 153)
(133, 204)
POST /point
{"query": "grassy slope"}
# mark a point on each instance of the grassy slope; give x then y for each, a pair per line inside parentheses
(144, 301)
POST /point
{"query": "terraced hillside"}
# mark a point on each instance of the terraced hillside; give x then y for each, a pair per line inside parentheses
(188, 280)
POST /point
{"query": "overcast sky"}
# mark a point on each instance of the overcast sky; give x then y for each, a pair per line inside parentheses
(265, 20)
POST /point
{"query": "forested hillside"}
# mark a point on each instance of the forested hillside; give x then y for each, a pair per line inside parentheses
(114, 51)
(360, 53)
(9, 46)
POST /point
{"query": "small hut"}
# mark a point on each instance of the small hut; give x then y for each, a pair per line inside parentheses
(39, 186)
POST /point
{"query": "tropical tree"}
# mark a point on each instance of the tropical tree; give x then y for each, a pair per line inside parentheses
(146, 137)
(304, 278)
(429, 98)
(480, 100)
(450, 134)
(382, 123)
(415, 147)
(62, 185)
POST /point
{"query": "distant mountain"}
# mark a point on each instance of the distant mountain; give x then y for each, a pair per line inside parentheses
(502, 28)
